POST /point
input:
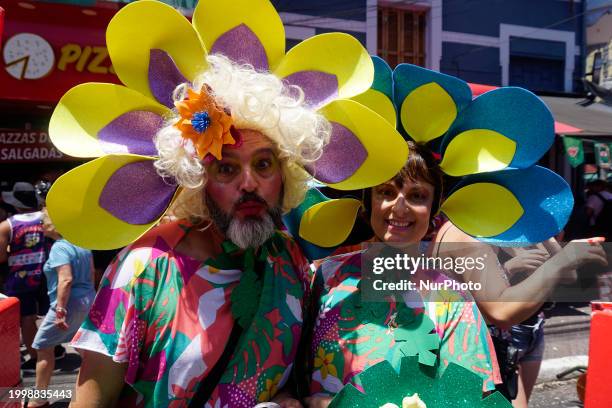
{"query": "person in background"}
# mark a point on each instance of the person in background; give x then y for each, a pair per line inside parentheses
(69, 272)
(22, 245)
(598, 208)
(6, 210)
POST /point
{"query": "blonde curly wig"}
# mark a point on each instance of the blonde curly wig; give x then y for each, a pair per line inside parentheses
(257, 101)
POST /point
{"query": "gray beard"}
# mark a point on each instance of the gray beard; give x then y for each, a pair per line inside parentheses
(251, 232)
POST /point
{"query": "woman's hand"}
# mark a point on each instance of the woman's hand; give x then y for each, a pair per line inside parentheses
(577, 253)
(527, 260)
(317, 402)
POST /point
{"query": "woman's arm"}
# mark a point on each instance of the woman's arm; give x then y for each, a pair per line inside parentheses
(99, 382)
(505, 305)
(64, 283)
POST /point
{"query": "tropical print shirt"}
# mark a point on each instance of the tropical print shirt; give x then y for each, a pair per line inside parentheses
(350, 334)
(169, 316)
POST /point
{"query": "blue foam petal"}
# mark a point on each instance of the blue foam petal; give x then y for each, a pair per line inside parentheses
(408, 77)
(383, 77)
(515, 113)
(546, 198)
(292, 222)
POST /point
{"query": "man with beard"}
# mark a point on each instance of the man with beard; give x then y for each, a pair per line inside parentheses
(207, 310)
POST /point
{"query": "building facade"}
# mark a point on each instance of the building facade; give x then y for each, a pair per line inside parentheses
(534, 44)
(599, 48)
(48, 47)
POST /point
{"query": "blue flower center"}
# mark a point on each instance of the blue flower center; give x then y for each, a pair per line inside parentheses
(200, 121)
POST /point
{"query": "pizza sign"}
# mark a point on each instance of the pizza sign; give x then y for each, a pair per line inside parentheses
(28, 56)
(44, 53)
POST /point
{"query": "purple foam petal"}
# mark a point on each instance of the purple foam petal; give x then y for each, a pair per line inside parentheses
(164, 77)
(131, 132)
(341, 157)
(319, 87)
(136, 194)
(240, 44)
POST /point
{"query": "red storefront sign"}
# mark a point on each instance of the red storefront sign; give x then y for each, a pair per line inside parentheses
(1, 22)
(47, 48)
(28, 146)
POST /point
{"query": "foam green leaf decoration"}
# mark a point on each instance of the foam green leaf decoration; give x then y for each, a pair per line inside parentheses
(370, 327)
(415, 335)
(457, 388)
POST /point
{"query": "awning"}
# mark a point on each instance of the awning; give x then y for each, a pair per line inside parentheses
(571, 118)
(592, 120)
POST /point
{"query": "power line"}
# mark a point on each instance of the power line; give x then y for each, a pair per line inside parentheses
(535, 30)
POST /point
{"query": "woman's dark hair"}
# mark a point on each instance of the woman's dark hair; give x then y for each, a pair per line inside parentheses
(421, 165)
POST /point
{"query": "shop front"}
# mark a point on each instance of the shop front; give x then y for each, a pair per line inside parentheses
(582, 151)
(46, 49)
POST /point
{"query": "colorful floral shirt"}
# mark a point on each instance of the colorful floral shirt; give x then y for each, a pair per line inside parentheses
(169, 316)
(350, 334)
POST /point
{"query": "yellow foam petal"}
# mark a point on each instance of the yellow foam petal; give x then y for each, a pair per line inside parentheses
(387, 149)
(483, 209)
(316, 221)
(477, 151)
(213, 18)
(73, 206)
(144, 25)
(427, 112)
(85, 109)
(338, 54)
(379, 103)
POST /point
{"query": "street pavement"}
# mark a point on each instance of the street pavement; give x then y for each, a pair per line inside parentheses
(566, 336)
(566, 333)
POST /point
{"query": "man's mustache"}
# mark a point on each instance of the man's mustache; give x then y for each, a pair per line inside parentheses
(246, 197)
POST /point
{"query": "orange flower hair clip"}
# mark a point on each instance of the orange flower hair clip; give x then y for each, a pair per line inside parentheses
(204, 123)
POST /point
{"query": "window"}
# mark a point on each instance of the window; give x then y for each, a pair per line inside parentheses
(401, 35)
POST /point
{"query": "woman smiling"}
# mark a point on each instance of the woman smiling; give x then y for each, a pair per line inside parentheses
(351, 334)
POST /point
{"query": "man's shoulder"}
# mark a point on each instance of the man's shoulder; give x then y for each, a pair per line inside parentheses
(332, 266)
(156, 244)
(163, 237)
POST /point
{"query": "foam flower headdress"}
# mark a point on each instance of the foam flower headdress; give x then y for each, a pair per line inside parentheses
(154, 49)
(491, 143)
